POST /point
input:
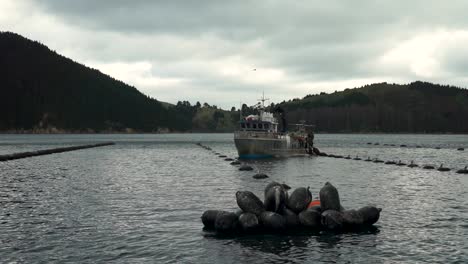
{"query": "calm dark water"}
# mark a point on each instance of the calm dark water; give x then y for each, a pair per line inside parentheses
(141, 201)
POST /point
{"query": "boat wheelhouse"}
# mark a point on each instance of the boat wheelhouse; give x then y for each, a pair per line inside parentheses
(258, 136)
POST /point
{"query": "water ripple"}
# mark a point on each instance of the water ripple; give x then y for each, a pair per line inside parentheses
(141, 201)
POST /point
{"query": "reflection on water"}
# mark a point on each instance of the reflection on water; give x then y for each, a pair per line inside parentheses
(141, 200)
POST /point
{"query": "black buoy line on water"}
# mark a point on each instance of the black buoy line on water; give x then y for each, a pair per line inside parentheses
(28, 154)
(242, 167)
(413, 165)
(442, 168)
(409, 146)
(258, 175)
(463, 171)
(400, 163)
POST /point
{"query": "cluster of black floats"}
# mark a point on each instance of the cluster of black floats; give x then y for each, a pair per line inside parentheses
(282, 212)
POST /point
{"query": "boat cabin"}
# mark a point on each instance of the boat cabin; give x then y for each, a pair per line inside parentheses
(262, 123)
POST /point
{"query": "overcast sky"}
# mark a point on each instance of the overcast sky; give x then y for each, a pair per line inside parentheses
(207, 50)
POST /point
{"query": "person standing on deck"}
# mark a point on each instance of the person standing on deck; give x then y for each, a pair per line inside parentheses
(310, 142)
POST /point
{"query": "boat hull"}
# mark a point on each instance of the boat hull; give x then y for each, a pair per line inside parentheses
(259, 148)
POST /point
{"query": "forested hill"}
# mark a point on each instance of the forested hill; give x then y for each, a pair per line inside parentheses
(42, 91)
(418, 107)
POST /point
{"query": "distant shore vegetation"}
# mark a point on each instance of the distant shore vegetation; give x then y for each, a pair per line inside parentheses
(44, 92)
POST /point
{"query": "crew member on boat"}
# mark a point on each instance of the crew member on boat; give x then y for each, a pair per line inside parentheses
(310, 142)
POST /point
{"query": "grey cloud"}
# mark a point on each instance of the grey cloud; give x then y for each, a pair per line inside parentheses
(310, 41)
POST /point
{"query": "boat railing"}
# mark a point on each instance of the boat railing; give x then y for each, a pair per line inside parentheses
(257, 134)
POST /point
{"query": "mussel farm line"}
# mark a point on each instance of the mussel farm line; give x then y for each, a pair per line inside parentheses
(28, 154)
(242, 167)
(407, 146)
(348, 157)
(399, 163)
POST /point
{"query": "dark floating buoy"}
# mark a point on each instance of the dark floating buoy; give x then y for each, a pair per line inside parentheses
(442, 168)
(378, 160)
(228, 159)
(463, 171)
(236, 162)
(369, 143)
(332, 220)
(222, 156)
(329, 198)
(245, 168)
(403, 145)
(428, 167)
(273, 221)
(338, 156)
(390, 162)
(249, 203)
(270, 186)
(226, 222)
(348, 157)
(275, 197)
(418, 146)
(260, 176)
(310, 218)
(368, 159)
(460, 149)
(299, 199)
(357, 158)
(371, 214)
(437, 147)
(209, 217)
(392, 145)
(248, 221)
(376, 144)
(412, 165)
(292, 219)
(285, 186)
(401, 163)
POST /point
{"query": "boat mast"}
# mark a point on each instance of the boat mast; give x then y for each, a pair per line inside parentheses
(240, 111)
(263, 99)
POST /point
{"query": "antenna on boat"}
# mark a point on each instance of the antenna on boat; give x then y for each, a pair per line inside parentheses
(240, 111)
(263, 99)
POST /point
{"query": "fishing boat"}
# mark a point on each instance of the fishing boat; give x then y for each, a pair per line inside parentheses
(259, 136)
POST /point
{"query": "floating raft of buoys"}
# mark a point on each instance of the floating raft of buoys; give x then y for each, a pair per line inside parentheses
(50, 151)
(282, 212)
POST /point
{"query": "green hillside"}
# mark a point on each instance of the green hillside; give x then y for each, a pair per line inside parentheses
(42, 91)
(418, 107)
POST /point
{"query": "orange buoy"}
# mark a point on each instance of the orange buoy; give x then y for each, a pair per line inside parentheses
(314, 203)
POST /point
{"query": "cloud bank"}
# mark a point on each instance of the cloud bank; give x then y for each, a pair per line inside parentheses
(207, 50)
